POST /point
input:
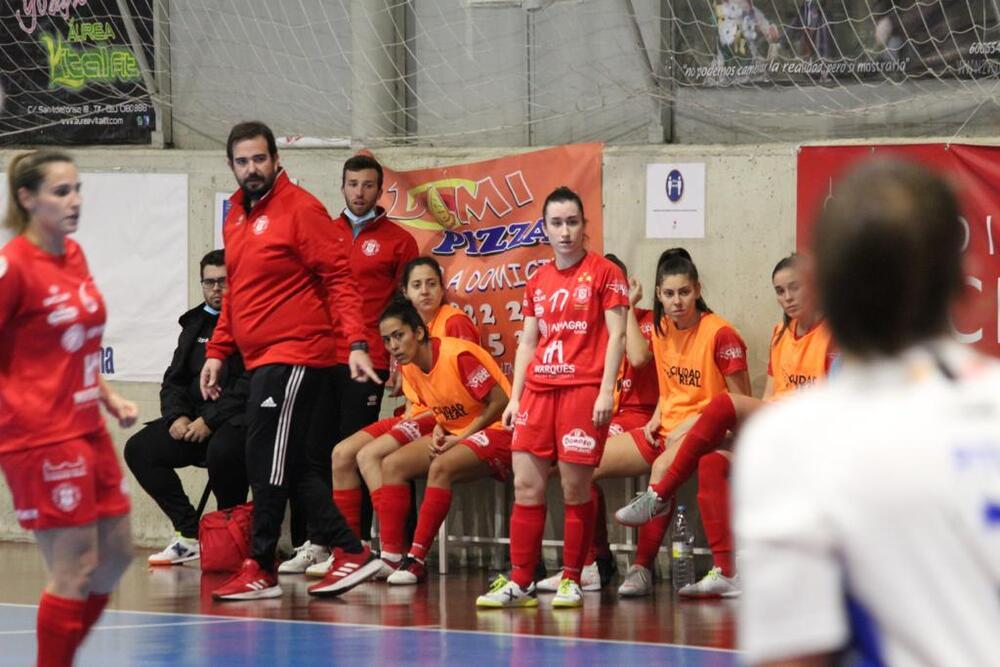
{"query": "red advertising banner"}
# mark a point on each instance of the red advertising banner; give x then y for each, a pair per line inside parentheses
(482, 222)
(974, 172)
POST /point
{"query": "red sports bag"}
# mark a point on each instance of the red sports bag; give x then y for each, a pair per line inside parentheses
(224, 538)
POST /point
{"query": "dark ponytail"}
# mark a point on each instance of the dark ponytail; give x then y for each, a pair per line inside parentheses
(674, 262)
(404, 311)
(784, 263)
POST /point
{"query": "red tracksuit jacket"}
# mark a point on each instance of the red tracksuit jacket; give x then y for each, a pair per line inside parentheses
(289, 280)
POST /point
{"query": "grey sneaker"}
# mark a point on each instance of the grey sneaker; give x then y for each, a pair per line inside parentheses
(638, 583)
(305, 556)
(645, 507)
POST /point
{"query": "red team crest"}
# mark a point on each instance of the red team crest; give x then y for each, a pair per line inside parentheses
(260, 225)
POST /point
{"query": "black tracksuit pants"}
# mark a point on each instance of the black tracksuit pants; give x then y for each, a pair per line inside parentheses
(153, 456)
(289, 416)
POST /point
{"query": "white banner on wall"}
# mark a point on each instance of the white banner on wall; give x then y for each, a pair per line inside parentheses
(134, 231)
(675, 201)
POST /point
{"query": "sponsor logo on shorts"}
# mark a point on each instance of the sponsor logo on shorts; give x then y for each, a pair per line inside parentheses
(409, 428)
(372, 400)
(521, 418)
(480, 439)
(370, 247)
(73, 338)
(578, 441)
(26, 515)
(62, 314)
(53, 472)
(67, 496)
(260, 225)
(615, 429)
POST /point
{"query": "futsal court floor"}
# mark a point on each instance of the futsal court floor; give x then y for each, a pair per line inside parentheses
(165, 616)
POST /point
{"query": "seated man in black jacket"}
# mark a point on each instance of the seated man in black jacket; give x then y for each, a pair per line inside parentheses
(192, 431)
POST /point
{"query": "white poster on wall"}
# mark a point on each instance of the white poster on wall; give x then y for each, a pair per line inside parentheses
(675, 201)
(134, 232)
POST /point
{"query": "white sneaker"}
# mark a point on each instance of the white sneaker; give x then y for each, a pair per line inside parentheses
(181, 550)
(638, 582)
(389, 565)
(645, 507)
(504, 593)
(306, 555)
(713, 585)
(590, 580)
(569, 595)
(319, 570)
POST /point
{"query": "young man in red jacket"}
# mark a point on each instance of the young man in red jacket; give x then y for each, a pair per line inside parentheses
(379, 250)
(291, 293)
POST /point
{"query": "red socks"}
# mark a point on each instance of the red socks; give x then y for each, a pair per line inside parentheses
(599, 545)
(93, 607)
(348, 501)
(706, 435)
(527, 523)
(393, 506)
(578, 532)
(713, 501)
(60, 630)
(433, 512)
(650, 538)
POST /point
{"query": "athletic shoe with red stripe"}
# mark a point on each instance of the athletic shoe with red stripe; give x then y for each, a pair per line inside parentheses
(410, 571)
(347, 571)
(250, 583)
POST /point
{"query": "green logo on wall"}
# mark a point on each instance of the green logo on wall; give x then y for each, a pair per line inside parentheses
(76, 67)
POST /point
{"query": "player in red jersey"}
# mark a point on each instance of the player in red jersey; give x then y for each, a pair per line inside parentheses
(466, 392)
(562, 399)
(801, 353)
(636, 395)
(698, 355)
(423, 285)
(56, 454)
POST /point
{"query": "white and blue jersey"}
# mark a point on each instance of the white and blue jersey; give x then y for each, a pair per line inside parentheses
(867, 515)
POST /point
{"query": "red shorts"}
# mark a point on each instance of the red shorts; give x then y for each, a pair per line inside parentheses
(648, 451)
(557, 424)
(492, 446)
(626, 420)
(66, 484)
(404, 431)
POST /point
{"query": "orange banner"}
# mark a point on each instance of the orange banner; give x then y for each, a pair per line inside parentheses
(482, 222)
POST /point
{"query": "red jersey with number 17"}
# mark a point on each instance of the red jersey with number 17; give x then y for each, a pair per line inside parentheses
(569, 305)
(52, 318)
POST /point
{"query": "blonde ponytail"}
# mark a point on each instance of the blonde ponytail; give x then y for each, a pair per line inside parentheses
(27, 170)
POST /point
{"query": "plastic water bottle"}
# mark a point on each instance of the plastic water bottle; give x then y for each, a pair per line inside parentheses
(682, 551)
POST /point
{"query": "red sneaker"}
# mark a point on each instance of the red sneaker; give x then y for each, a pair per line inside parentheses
(250, 583)
(348, 570)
